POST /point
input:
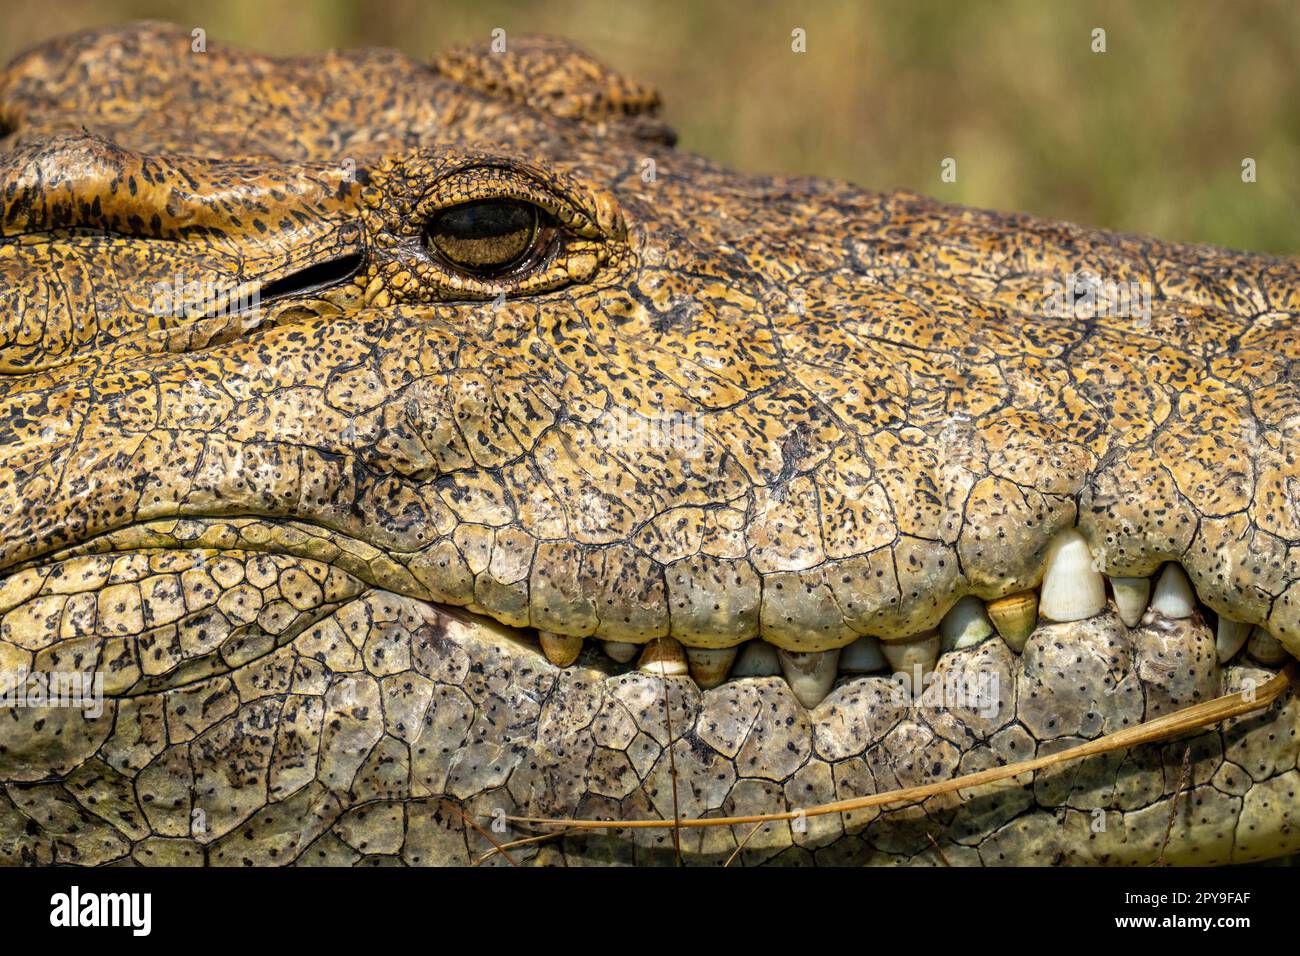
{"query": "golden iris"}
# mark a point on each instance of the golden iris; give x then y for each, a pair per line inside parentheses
(485, 237)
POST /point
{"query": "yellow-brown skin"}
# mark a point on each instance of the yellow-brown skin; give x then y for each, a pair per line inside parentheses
(720, 407)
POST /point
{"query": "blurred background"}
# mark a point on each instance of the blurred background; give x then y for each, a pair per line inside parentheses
(1147, 137)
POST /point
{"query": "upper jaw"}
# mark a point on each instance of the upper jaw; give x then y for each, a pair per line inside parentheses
(771, 521)
(826, 474)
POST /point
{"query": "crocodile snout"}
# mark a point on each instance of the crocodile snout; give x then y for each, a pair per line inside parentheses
(536, 485)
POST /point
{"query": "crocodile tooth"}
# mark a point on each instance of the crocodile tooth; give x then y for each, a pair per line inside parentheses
(560, 649)
(965, 624)
(710, 665)
(810, 674)
(1229, 638)
(757, 659)
(905, 655)
(1073, 588)
(863, 656)
(665, 657)
(1173, 597)
(1131, 596)
(621, 651)
(1264, 647)
(1015, 616)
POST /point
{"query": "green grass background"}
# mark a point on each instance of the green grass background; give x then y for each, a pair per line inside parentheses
(1147, 137)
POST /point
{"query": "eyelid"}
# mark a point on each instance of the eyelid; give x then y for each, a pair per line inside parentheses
(481, 182)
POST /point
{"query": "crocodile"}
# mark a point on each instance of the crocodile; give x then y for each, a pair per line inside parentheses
(393, 452)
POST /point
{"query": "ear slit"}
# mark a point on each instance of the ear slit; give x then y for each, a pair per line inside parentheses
(320, 275)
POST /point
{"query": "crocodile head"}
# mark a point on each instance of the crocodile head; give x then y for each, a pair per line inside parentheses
(407, 448)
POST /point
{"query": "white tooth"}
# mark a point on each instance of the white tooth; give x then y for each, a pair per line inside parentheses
(1131, 595)
(1229, 638)
(1173, 596)
(560, 649)
(757, 659)
(965, 624)
(1264, 647)
(710, 665)
(664, 657)
(905, 655)
(863, 656)
(621, 651)
(811, 674)
(1073, 589)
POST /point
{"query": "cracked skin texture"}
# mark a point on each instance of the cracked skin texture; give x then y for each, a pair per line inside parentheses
(719, 407)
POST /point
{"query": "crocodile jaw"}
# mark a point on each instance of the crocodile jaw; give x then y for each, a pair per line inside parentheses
(844, 461)
(287, 650)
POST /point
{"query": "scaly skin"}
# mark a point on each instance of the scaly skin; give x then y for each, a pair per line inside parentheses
(720, 408)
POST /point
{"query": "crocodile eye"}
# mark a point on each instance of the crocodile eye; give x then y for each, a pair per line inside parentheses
(491, 227)
(487, 237)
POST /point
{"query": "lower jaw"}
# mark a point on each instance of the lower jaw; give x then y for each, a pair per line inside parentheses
(587, 743)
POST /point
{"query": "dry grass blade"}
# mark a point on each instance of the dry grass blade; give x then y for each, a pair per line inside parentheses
(525, 841)
(1184, 781)
(740, 846)
(672, 769)
(1161, 728)
(483, 833)
(937, 849)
